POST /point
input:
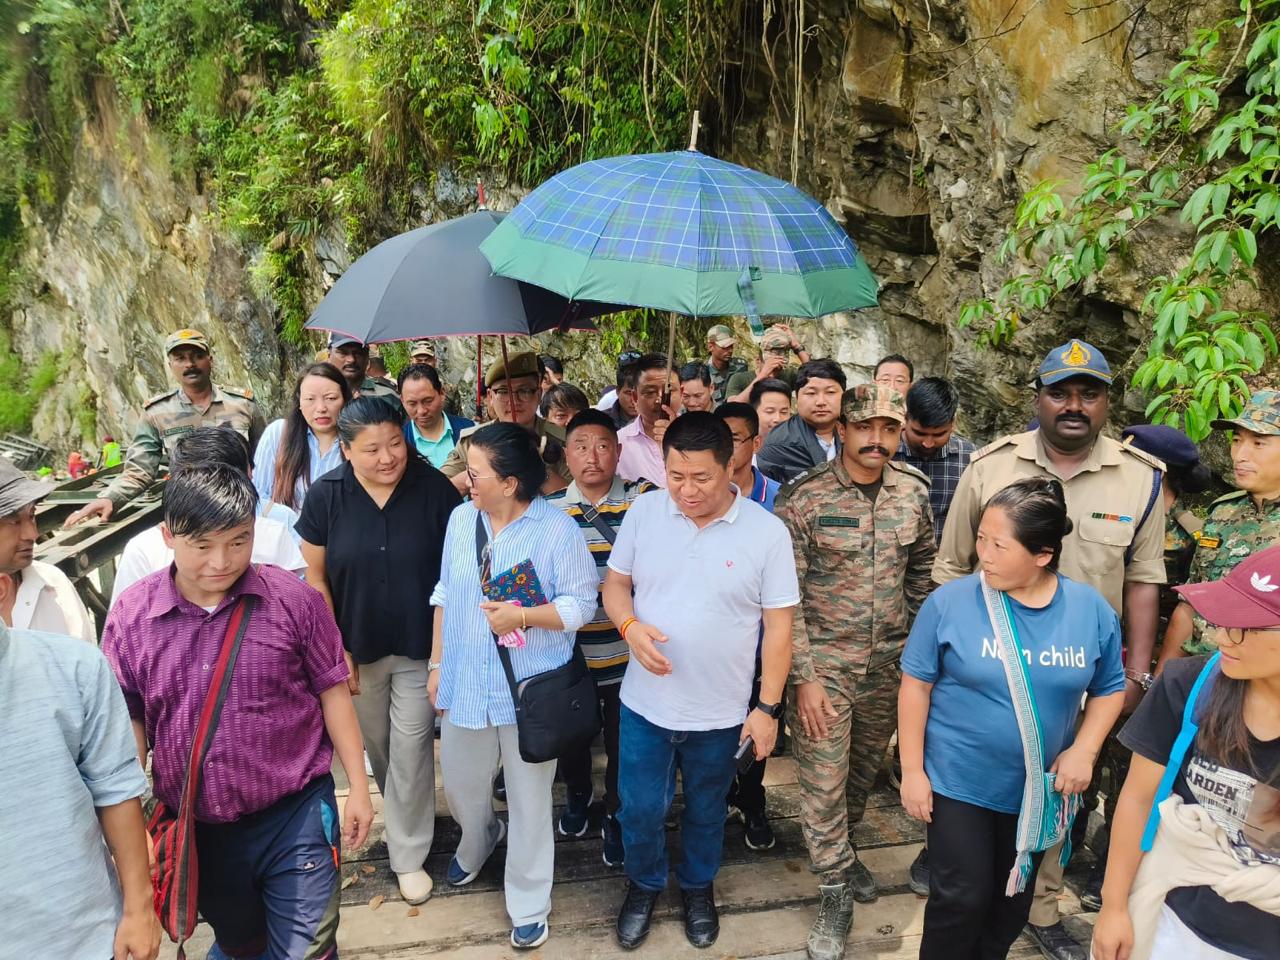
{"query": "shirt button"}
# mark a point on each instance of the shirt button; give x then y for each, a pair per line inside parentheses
(206, 666)
(1106, 539)
(382, 549)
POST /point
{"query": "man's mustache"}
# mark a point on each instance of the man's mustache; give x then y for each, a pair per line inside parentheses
(876, 448)
(1069, 417)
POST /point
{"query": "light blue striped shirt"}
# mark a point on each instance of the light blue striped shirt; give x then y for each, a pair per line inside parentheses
(473, 687)
(264, 462)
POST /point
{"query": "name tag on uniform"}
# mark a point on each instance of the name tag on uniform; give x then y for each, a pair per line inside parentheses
(837, 521)
(1111, 516)
(1209, 543)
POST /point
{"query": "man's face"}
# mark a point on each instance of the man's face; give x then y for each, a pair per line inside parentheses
(591, 453)
(192, 367)
(818, 403)
(422, 402)
(719, 355)
(927, 442)
(18, 539)
(212, 562)
(696, 482)
(773, 409)
(627, 400)
(1256, 459)
(515, 400)
(648, 395)
(352, 359)
(895, 376)
(1072, 412)
(695, 395)
(423, 359)
(745, 444)
(871, 443)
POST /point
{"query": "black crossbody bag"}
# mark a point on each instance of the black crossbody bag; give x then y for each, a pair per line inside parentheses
(555, 711)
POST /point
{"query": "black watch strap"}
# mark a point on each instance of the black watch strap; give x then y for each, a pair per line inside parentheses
(769, 709)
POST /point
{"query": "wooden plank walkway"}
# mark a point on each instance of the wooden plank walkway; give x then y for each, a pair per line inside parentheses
(767, 899)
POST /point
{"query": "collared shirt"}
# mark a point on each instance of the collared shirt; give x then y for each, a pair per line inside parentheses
(943, 471)
(66, 750)
(763, 489)
(706, 590)
(381, 562)
(47, 601)
(271, 739)
(318, 464)
(436, 451)
(473, 687)
(550, 436)
(720, 378)
(604, 648)
(641, 456)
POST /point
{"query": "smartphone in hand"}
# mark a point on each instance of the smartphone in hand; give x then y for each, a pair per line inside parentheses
(746, 755)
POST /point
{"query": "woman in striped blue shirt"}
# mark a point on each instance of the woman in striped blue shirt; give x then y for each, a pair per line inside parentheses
(298, 450)
(467, 683)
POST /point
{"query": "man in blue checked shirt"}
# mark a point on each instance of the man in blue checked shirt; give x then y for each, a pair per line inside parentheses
(930, 444)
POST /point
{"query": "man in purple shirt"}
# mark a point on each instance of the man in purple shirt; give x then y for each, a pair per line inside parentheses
(266, 818)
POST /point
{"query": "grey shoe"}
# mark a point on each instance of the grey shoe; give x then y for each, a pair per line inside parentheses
(835, 916)
(918, 874)
(1056, 943)
(862, 884)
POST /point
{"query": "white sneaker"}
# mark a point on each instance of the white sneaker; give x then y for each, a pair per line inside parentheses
(415, 887)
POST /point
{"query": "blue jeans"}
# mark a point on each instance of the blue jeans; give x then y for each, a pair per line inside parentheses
(648, 758)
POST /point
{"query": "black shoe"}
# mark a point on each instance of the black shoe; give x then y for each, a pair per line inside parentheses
(701, 919)
(611, 834)
(1091, 896)
(758, 833)
(500, 786)
(862, 884)
(1056, 943)
(635, 916)
(576, 817)
(918, 873)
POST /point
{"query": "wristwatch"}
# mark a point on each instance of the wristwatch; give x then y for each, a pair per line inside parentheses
(1144, 680)
(769, 709)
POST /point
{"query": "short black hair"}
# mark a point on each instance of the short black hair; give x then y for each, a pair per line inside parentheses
(740, 411)
(650, 361)
(206, 498)
(768, 385)
(420, 371)
(695, 371)
(590, 417)
(552, 363)
(366, 412)
(895, 358)
(819, 370)
(566, 396)
(513, 452)
(210, 446)
(932, 402)
(699, 430)
(626, 367)
(1037, 509)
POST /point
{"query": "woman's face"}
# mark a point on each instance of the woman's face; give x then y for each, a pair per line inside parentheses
(1006, 562)
(1250, 654)
(378, 453)
(488, 490)
(320, 401)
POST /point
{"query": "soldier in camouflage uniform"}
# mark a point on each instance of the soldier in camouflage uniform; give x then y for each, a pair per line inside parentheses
(862, 531)
(1239, 524)
(167, 417)
(351, 357)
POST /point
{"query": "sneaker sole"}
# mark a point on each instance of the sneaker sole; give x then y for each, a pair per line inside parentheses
(919, 889)
(532, 944)
(566, 833)
(612, 863)
(761, 846)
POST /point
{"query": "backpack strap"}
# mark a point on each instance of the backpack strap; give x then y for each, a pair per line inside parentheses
(592, 516)
(1157, 480)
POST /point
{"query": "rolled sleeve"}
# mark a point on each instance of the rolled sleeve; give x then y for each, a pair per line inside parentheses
(577, 582)
(1146, 564)
(108, 760)
(321, 646)
(957, 553)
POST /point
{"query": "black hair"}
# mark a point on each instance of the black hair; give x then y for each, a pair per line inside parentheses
(565, 396)
(293, 458)
(552, 363)
(932, 402)
(895, 358)
(695, 371)
(210, 446)
(366, 412)
(420, 371)
(208, 498)
(628, 376)
(1037, 509)
(699, 430)
(376, 360)
(590, 417)
(1190, 480)
(626, 365)
(650, 361)
(740, 411)
(768, 385)
(513, 452)
(819, 370)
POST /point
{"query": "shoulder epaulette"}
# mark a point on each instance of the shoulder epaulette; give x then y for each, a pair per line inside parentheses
(1155, 463)
(158, 397)
(243, 393)
(909, 470)
(993, 446)
(468, 431)
(1228, 497)
(802, 478)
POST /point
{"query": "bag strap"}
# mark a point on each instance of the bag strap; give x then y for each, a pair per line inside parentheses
(1157, 480)
(482, 541)
(593, 517)
(1190, 727)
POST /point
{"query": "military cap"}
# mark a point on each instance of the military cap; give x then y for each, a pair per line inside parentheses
(17, 489)
(1246, 598)
(1074, 359)
(775, 339)
(422, 346)
(721, 336)
(1261, 415)
(519, 365)
(186, 337)
(868, 400)
(1165, 443)
(337, 340)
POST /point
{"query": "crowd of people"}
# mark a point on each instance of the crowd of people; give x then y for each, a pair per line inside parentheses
(727, 552)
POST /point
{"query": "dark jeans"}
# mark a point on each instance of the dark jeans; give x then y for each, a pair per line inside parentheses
(649, 756)
(575, 769)
(971, 851)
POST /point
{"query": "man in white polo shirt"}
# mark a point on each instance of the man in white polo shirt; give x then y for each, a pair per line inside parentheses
(707, 567)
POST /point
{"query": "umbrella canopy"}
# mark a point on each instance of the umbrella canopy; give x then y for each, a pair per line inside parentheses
(684, 232)
(433, 282)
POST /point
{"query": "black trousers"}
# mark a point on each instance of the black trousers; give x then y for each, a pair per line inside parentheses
(971, 851)
(575, 770)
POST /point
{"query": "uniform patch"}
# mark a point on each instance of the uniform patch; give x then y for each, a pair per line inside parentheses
(1111, 516)
(838, 521)
(1207, 542)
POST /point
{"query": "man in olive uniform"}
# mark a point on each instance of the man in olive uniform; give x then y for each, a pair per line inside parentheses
(512, 394)
(167, 417)
(1116, 544)
(1239, 524)
(721, 361)
(351, 357)
(776, 347)
(862, 532)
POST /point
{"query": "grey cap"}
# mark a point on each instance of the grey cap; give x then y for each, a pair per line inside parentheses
(17, 489)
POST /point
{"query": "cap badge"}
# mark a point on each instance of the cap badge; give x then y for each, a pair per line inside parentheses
(1076, 355)
(1263, 584)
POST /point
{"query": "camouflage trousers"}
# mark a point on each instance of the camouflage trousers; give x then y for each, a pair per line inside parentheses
(836, 774)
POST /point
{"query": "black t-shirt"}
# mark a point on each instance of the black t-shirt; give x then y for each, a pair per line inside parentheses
(1246, 810)
(382, 564)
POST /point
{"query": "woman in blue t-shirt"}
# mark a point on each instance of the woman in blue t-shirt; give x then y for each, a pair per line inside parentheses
(963, 766)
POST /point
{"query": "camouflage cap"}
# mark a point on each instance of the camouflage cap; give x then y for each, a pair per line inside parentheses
(721, 336)
(518, 365)
(1074, 359)
(1261, 415)
(868, 400)
(422, 346)
(775, 339)
(186, 337)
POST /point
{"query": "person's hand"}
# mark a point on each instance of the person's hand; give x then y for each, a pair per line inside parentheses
(643, 639)
(763, 731)
(1074, 769)
(1132, 697)
(814, 709)
(137, 934)
(660, 427)
(786, 328)
(101, 508)
(433, 687)
(917, 795)
(503, 617)
(357, 817)
(353, 674)
(770, 366)
(1113, 933)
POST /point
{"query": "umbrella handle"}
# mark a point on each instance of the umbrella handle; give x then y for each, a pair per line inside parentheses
(479, 375)
(671, 351)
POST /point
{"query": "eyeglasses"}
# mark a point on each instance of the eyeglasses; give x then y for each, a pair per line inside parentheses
(473, 476)
(1237, 634)
(521, 393)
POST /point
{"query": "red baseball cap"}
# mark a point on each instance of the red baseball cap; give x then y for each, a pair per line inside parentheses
(1247, 597)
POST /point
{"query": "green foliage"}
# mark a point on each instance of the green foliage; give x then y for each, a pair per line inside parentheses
(1212, 156)
(21, 389)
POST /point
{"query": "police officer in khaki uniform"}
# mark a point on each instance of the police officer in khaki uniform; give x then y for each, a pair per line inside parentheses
(167, 417)
(351, 357)
(1116, 544)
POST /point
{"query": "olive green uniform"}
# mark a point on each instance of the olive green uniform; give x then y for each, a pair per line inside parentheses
(550, 441)
(373, 387)
(720, 378)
